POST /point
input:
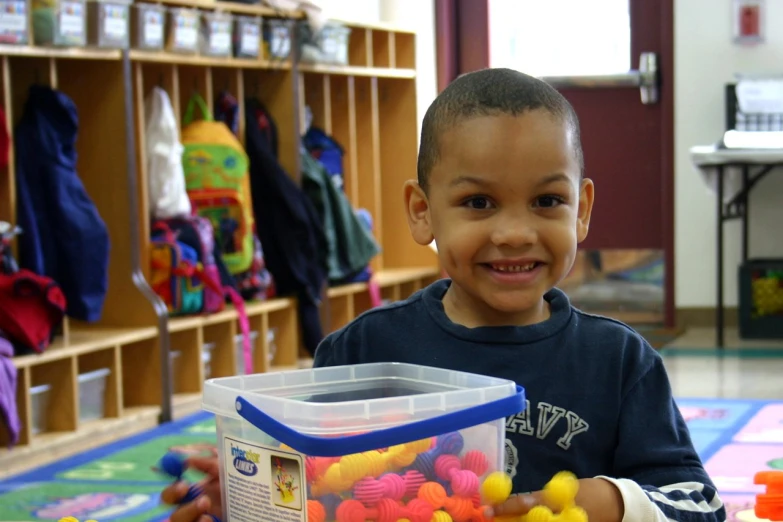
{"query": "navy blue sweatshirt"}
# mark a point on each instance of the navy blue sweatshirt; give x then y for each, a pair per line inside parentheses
(599, 399)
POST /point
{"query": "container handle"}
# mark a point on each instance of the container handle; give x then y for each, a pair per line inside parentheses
(320, 446)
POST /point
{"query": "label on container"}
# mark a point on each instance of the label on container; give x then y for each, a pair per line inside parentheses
(72, 20)
(115, 22)
(13, 21)
(220, 37)
(250, 40)
(153, 28)
(280, 42)
(186, 31)
(263, 484)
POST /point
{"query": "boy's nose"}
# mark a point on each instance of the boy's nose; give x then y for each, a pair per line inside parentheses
(515, 234)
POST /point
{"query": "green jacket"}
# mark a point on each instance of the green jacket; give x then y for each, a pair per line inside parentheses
(351, 245)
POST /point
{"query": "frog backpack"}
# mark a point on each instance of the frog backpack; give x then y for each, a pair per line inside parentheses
(218, 184)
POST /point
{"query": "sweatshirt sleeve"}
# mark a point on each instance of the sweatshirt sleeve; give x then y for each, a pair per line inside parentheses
(657, 470)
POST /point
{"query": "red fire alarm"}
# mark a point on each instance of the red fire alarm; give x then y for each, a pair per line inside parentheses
(748, 19)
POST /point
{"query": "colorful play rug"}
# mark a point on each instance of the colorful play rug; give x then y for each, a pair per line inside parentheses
(115, 483)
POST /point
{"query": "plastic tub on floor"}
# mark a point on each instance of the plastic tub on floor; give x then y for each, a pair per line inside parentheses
(341, 438)
(92, 387)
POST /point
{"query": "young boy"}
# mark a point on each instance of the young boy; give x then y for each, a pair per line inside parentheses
(500, 189)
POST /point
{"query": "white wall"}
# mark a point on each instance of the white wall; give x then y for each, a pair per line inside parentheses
(705, 60)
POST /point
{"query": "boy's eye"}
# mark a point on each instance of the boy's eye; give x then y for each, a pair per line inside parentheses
(549, 201)
(478, 202)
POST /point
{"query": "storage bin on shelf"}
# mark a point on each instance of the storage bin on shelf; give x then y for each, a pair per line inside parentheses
(240, 350)
(359, 438)
(247, 36)
(183, 30)
(277, 39)
(39, 401)
(14, 26)
(148, 26)
(108, 23)
(59, 22)
(217, 32)
(92, 394)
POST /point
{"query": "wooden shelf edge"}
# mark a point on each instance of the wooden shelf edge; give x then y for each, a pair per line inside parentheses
(378, 26)
(207, 61)
(85, 53)
(396, 276)
(252, 308)
(50, 447)
(233, 7)
(86, 341)
(353, 70)
(386, 278)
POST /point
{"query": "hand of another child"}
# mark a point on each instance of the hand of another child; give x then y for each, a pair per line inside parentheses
(598, 497)
(208, 503)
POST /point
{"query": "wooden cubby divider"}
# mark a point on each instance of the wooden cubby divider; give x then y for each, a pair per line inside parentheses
(367, 105)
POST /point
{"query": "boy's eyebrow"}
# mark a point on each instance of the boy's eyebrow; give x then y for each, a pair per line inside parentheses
(460, 180)
(552, 178)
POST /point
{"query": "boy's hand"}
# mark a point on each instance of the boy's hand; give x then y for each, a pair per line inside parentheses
(598, 497)
(209, 503)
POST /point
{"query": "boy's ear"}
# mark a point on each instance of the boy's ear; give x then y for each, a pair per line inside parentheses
(586, 198)
(417, 208)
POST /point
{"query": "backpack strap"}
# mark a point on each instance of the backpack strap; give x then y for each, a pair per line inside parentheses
(196, 99)
(239, 304)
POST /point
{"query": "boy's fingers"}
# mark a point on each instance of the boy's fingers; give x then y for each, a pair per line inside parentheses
(172, 494)
(206, 465)
(192, 512)
(515, 505)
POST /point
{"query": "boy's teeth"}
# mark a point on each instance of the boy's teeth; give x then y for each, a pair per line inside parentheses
(514, 268)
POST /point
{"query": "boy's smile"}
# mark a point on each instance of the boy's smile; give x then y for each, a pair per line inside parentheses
(507, 208)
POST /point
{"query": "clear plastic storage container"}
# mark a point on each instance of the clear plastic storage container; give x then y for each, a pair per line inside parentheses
(247, 36)
(312, 442)
(277, 39)
(92, 388)
(108, 23)
(183, 34)
(60, 22)
(333, 41)
(240, 351)
(39, 400)
(14, 22)
(149, 26)
(218, 31)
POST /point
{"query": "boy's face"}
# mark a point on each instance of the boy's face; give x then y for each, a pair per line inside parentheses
(506, 208)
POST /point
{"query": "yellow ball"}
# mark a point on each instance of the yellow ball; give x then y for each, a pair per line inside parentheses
(496, 488)
(539, 514)
(561, 490)
(573, 514)
(441, 516)
(419, 446)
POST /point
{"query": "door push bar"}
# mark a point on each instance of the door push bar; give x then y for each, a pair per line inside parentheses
(646, 79)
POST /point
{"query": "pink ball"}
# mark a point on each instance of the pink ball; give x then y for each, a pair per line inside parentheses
(351, 511)
(413, 481)
(445, 465)
(464, 483)
(476, 462)
(368, 491)
(393, 486)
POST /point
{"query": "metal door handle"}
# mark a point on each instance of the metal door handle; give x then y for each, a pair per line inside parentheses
(646, 79)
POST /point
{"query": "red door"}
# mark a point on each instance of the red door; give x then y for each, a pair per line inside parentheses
(626, 265)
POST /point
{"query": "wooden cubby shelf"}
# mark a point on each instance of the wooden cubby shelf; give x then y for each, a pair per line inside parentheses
(138, 366)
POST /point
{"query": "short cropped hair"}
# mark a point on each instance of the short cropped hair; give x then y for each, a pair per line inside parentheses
(489, 92)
